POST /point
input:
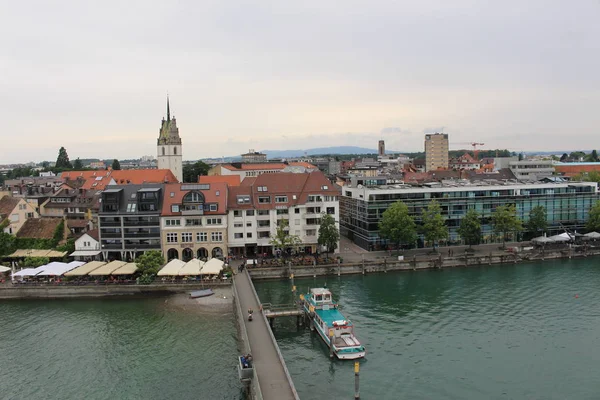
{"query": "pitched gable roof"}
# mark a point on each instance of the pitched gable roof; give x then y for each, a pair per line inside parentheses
(7, 204)
(39, 228)
(98, 180)
(216, 194)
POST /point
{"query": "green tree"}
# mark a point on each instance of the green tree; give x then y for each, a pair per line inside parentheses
(282, 239)
(397, 225)
(593, 222)
(149, 264)
(329, 235)
(191, 172)
(537, 223)
(592, 176)
(62, 162)
(521, 156)
(470, 228)
(434, 228)
(77, 164)
(505, 220)
(34, 262)
(577, 155)
(7, 243)
(592, 157)
(564, 157)
(116, 165)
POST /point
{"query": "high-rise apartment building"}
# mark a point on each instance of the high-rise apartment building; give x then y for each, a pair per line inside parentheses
(436, 151)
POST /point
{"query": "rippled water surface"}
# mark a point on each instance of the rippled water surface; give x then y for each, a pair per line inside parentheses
(498, 332)
(115, 349)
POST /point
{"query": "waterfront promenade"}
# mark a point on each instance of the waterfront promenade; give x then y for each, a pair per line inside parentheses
(274, 381)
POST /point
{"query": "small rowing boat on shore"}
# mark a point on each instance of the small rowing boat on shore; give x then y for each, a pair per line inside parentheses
(201, 293)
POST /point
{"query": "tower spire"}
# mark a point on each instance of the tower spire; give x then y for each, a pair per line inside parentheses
(168, 111)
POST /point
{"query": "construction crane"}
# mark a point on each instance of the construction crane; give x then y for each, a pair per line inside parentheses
(475, 149)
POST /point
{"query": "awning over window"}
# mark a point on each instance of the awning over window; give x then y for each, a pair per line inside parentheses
(85, 253)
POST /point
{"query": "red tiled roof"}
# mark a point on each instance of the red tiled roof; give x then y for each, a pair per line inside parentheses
(7, 204)
(39, 228)
(93, 233)
(210, 196)
(231, 180)
(98, 180)
(286, 183)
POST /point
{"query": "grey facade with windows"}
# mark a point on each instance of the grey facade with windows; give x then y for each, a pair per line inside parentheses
(361, 209)
(129, 220)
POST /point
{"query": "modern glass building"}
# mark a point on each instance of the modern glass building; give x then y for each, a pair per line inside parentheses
(361, 208)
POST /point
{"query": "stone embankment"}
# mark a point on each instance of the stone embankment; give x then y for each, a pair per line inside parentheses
(26, 291)
(431, 261)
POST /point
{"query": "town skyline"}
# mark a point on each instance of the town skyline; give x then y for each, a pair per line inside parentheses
(290, 76)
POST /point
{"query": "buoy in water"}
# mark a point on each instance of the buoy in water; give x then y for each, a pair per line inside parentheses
(576, 296)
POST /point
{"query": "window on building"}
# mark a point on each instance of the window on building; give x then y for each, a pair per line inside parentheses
(173, 222)
(213, 221)
(262, 188)
(311, 232)
(264, 199)
(239, 235)
(175, 150)
(186, 237)
(249, 224)
(237, 213)
(243, 199)
(330, 210)
(264, 235)
(249, 213)
(175, 208)
(296, 210)
(201, 237)
(263, 212)
(213, 207)
(249, 235)
(281, 199)
(216, 236)
(283, 211)
(238, 225)
(29, 215)
(171, 237)
(193, 197)
(193, 222)
(263, 224)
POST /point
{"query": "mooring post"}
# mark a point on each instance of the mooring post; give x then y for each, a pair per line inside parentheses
(363, 263)
(385, 264)
(314, 268)
(331, 343)
(356, 381)
(339, 267)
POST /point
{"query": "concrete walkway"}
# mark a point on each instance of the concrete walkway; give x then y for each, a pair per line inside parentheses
(271, 372)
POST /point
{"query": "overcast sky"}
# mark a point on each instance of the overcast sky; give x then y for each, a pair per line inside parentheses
(522, 75)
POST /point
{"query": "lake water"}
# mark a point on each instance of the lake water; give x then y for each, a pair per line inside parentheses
(529, 331)
(116, 349)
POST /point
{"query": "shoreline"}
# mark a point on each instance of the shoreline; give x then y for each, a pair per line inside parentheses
(20, 292)
(429, 262)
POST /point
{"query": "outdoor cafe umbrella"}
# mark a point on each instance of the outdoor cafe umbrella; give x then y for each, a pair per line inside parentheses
(4, 269)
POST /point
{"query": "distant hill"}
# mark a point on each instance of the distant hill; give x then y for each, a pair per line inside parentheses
(319, 151)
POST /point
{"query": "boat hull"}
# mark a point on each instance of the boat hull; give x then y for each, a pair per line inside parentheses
(342, 355)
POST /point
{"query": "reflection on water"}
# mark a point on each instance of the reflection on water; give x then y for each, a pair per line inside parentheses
(495, 332)
(116, 349)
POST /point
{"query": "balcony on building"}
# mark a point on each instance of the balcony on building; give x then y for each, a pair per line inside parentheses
(110, 221)
(111, 199)
(141, 221)
(148, 200)
(141, 232)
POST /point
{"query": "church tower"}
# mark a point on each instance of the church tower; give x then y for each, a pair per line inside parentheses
(169, 146)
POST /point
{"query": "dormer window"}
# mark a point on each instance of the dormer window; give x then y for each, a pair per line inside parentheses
(193, 197)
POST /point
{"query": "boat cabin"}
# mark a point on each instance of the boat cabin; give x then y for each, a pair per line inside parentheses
(320, 296)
